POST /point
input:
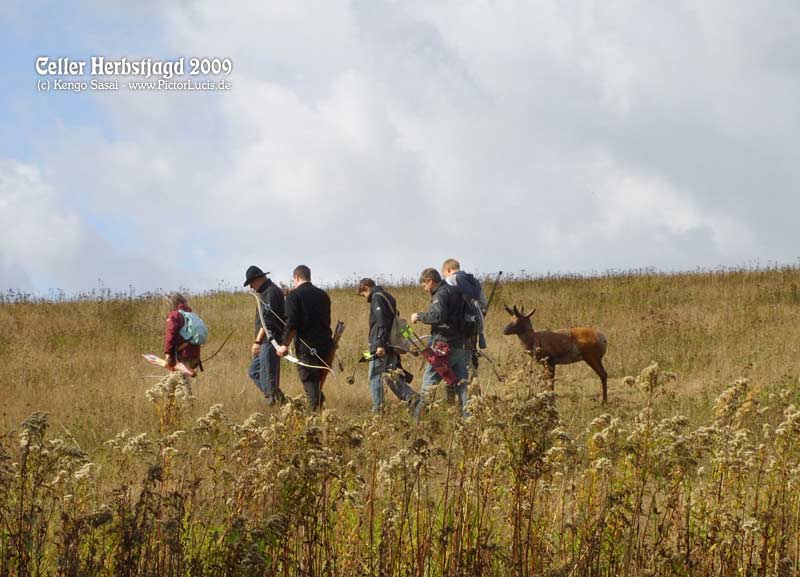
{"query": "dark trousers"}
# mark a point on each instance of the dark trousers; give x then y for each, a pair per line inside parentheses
(311, 377)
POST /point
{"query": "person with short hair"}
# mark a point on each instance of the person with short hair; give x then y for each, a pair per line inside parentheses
(384, 365)
(308, 323)
(471, 287)
(452, 273)
(265, 367)
(176, 348)
(443, 317)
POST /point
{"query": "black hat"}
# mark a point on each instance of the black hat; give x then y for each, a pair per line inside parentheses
(253, 272)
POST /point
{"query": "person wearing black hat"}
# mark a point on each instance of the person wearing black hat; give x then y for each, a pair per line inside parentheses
(265, 369)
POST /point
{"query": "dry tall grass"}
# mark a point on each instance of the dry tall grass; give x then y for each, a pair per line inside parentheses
(81, 361)
(693, 471)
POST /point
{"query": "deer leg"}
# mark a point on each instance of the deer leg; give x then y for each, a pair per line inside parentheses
(597, 367)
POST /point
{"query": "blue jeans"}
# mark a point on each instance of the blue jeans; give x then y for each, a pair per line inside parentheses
(458, 363)
(377, 369)
(265, 371)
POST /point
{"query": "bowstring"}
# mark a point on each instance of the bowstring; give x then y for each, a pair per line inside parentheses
(273, 342)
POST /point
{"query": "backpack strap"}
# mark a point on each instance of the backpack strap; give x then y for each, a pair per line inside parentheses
(388, 302)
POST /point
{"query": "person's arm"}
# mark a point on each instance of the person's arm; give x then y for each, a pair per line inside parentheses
(261, 337)
(277, 311)
(435, 314)
(288, 337)
(381, 307)
(290, 330)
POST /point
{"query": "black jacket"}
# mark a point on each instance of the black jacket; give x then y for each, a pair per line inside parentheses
(272, 295)
(382, 310)
(447, 304)
(308, 311)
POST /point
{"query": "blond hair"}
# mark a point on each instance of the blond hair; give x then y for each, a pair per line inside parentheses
(451, 264)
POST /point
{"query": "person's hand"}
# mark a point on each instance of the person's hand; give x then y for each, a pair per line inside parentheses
(170, 360)
(380, 352)
(282, 350)
(414, 318)
(255, 350)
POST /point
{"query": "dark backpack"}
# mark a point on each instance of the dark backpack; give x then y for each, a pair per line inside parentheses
(470, 320)
(472, 324)
(397, 334)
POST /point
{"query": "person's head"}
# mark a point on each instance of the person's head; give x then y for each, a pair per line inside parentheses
(429, 278)
(450, 266)
(258, 282)
(255, 277)
(365, 286)
(175, 300)
(301, 274)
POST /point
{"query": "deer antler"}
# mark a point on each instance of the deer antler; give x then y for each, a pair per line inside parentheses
(508, 310)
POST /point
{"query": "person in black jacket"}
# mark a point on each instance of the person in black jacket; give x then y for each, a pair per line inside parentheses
(265, 369)
(384, 365)
(443, 315)
(308, 317)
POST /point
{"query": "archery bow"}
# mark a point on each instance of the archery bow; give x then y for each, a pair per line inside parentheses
(274, 343)
(494, 290)
(480, 351)
(219, 349)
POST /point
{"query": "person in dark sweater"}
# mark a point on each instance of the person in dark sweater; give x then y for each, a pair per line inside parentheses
(265, 369)
(443, 317)
(308, 320)
(176, 348)
(385, 364)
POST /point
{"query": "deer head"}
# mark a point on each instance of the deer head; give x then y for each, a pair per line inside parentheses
(520, 323)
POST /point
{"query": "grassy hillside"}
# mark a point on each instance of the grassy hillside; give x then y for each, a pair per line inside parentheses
(689, 470)
(81, 361)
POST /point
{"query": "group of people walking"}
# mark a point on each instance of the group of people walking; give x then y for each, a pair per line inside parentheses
(303, 317)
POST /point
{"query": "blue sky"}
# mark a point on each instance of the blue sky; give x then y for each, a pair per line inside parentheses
(33, 122)
(378, 138)
(73, 30)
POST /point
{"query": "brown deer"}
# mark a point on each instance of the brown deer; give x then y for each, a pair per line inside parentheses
(560, 347)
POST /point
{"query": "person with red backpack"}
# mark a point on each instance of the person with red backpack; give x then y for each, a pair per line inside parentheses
(446, 318)
(184, 334)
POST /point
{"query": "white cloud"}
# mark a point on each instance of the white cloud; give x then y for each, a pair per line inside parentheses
(382, 137)
(36, 231)
(648, 207)
(46, 244)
